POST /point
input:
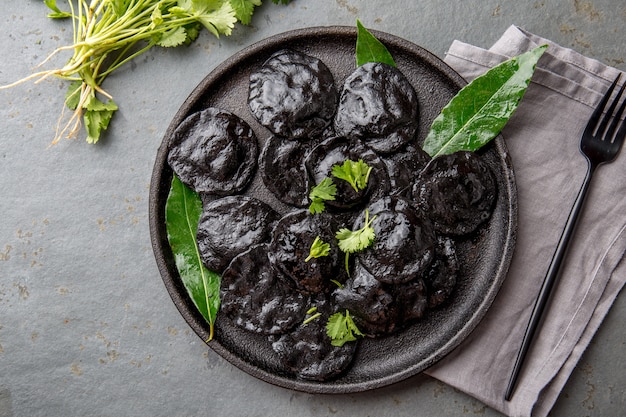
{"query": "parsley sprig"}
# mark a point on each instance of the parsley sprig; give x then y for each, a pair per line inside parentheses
(324, 191)
(351, 241)
(318, 249)
(356, 173)
(109, 33)
(341, 329)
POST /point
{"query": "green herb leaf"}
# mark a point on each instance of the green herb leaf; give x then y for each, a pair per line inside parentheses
(324, 191)
(356, 173)
(318, 249)
(97, 117)
(173, 37)
(56, 12)
(370, 49)
(218, 16)
(351, 241)
(342, 329)
(72, 96)
(480, 110)
(182, 212)
(244, 9)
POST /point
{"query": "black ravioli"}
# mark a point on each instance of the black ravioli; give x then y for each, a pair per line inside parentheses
(231, 225)
(290, 245)
(412, 298)
(378, 105)
(307, 351)
(403, 167)
(372, 306)
(335, 151)
(457, 191)
(404, 245)
(293, 95)
(283, 170)
(258, 298)
(442, 277)
(214, 151)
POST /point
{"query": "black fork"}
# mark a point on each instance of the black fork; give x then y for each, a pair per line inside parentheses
(600, 143)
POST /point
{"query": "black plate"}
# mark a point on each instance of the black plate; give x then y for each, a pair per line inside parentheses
(484, 257)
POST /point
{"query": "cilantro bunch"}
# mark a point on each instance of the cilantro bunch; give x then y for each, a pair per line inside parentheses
(109, 33)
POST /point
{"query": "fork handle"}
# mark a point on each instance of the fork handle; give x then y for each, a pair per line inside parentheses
(549, 280)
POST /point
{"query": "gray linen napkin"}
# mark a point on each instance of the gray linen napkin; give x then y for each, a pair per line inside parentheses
(543, 139)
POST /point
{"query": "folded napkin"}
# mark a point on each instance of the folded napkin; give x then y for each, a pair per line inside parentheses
(543, 139)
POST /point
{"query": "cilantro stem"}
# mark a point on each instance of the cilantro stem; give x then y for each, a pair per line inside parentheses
(313, 317)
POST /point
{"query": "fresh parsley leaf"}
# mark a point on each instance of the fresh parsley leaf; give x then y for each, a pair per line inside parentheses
(244, 9)
(97, 117)
(351, 241)
(356, 173)
(72, 96)
(173, 37)
(319, 248)
(342, 329)
(324, 191)
(218, 16)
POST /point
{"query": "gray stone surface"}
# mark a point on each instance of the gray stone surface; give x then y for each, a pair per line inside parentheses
(86, 325)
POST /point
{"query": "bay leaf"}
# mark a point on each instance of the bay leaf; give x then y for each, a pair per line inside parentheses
(480, 110)
(182, 212)
(370, 49)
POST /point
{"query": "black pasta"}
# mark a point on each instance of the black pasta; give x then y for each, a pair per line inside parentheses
(293, 95)
(378, 105)
(308, 352)
(214, 151)
(373, 308)
(457, 191)
(283, 171)
(403, 166)
(231, 225)
(258, 298)
(289, 249)
(404, 245)
(442, 278)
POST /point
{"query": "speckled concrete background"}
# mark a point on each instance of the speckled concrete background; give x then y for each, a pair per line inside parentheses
(86, 325)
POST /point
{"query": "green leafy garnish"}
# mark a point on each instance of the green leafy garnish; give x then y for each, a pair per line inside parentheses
(97, 116)
(370, 49)
(480, 110)
(56, 12)
(318, 249)
(356, 173)
(182, 212)
(324, 191)
(109, 33)
(351, 241)
(244, 9)
(342, 329)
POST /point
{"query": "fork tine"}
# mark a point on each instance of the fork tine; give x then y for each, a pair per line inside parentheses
(605, 120)
(617, 119)
(595, 117)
